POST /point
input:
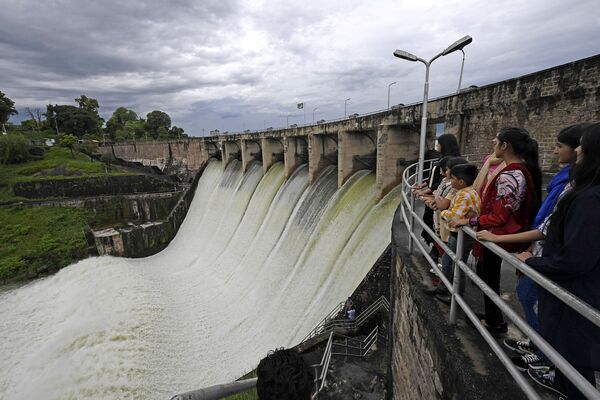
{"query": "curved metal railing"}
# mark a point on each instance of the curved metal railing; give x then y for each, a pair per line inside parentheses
(330, 323)
(412, 220)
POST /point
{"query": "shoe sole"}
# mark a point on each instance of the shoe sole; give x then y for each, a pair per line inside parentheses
(544, 385)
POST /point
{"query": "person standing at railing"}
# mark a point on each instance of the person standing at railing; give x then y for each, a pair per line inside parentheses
(465, 204)
(509, 204)
(571, 258)
(440, 200)
(445, 145)
(567, 141)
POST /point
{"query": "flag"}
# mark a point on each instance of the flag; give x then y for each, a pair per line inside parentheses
(300, 106)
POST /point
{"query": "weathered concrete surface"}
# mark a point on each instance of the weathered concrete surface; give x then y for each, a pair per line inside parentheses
(431, 359)
(148, 238)
(120, 209)
(92, 186)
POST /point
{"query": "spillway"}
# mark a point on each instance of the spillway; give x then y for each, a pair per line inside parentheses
(256, 264)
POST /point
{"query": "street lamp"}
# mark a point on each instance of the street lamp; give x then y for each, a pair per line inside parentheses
(314, 109)
(287, 121)
(462, 65)
(458, 45)
(389, 86)
(345, 103)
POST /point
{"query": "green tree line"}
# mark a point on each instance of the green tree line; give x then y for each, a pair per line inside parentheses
(84, 122)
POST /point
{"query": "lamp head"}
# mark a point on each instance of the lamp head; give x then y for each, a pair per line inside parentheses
(405, 55)
(458, 45)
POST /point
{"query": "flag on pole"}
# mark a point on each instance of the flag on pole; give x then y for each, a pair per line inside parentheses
(300, 106)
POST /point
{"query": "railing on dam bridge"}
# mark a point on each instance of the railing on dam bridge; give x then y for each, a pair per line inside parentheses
(412, 221)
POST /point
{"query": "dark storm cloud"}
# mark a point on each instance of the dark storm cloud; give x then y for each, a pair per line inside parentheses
(245, 64)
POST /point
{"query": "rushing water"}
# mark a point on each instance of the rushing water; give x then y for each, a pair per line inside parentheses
(256, 264)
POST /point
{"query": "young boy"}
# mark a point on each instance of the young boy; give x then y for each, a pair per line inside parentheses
(465, 204)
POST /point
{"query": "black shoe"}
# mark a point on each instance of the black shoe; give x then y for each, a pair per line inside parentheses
(522, 346)
(547, 380)
(530, 361)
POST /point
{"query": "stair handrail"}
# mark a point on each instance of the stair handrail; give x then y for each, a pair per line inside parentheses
(328, 323)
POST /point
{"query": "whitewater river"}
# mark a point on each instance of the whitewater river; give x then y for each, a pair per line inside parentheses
(256, 264)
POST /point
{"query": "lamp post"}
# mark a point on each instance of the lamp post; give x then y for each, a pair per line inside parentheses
(462, 65)
(389, 87)
(314, 109)
(345, 103)
(458, 45)
(287, 121)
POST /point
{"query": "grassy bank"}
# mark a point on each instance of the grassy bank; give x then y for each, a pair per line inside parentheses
(40, 239)
(58, 163)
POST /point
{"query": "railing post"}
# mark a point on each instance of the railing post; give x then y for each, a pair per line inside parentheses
(457, 274)
(412, 223)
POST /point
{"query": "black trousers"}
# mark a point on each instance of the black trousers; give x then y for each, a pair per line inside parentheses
(488, 269)
(565, 386)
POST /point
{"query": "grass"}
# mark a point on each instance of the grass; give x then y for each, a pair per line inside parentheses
(40, 238)
(74, 165)
(247, 395)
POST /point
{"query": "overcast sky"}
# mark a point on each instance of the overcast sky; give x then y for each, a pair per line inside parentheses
(234, 65)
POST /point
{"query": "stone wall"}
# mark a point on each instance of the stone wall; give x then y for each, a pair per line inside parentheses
(92, 186)
(543, 102)
(120, 209)
(431, 359)
(146, 239)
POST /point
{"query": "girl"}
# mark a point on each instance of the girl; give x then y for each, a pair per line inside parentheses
(571, 258)
(509, 203)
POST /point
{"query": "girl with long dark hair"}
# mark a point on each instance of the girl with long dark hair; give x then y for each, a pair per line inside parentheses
(445, 145)
(509, 204)
(571, 258)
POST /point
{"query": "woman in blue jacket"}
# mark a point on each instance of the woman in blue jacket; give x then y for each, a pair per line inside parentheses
(571, 258)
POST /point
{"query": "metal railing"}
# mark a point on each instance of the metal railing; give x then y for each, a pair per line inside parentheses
(322, 368)
(218, 391)
(363, 347)
(327, 324)
(330, 323)
(412, 220)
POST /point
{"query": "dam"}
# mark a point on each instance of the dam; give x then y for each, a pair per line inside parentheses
(257, 262)
(283, 226)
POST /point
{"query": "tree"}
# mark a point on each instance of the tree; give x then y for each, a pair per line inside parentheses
(13, 149)
(118, 120)
(7, 108)
(176, 132)
(158, 119)
(36, 118)
(87, 103)
(69, 142)
(91, 106)
(73, 120)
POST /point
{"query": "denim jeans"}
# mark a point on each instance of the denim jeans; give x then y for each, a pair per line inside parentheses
(448, 265)
(527, 294)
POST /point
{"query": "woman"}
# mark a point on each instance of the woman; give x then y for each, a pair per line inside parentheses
(445, 145)
(571, 258)
(567, 141)
(508, 206)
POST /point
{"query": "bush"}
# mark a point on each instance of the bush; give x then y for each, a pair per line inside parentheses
(13, 149)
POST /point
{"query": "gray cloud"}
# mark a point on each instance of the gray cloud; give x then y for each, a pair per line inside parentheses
(239, 64)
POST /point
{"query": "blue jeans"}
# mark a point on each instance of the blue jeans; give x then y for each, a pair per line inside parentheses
(448, 265)
(527, 294)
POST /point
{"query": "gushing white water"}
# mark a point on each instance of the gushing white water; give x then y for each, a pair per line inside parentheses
(255, 265)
